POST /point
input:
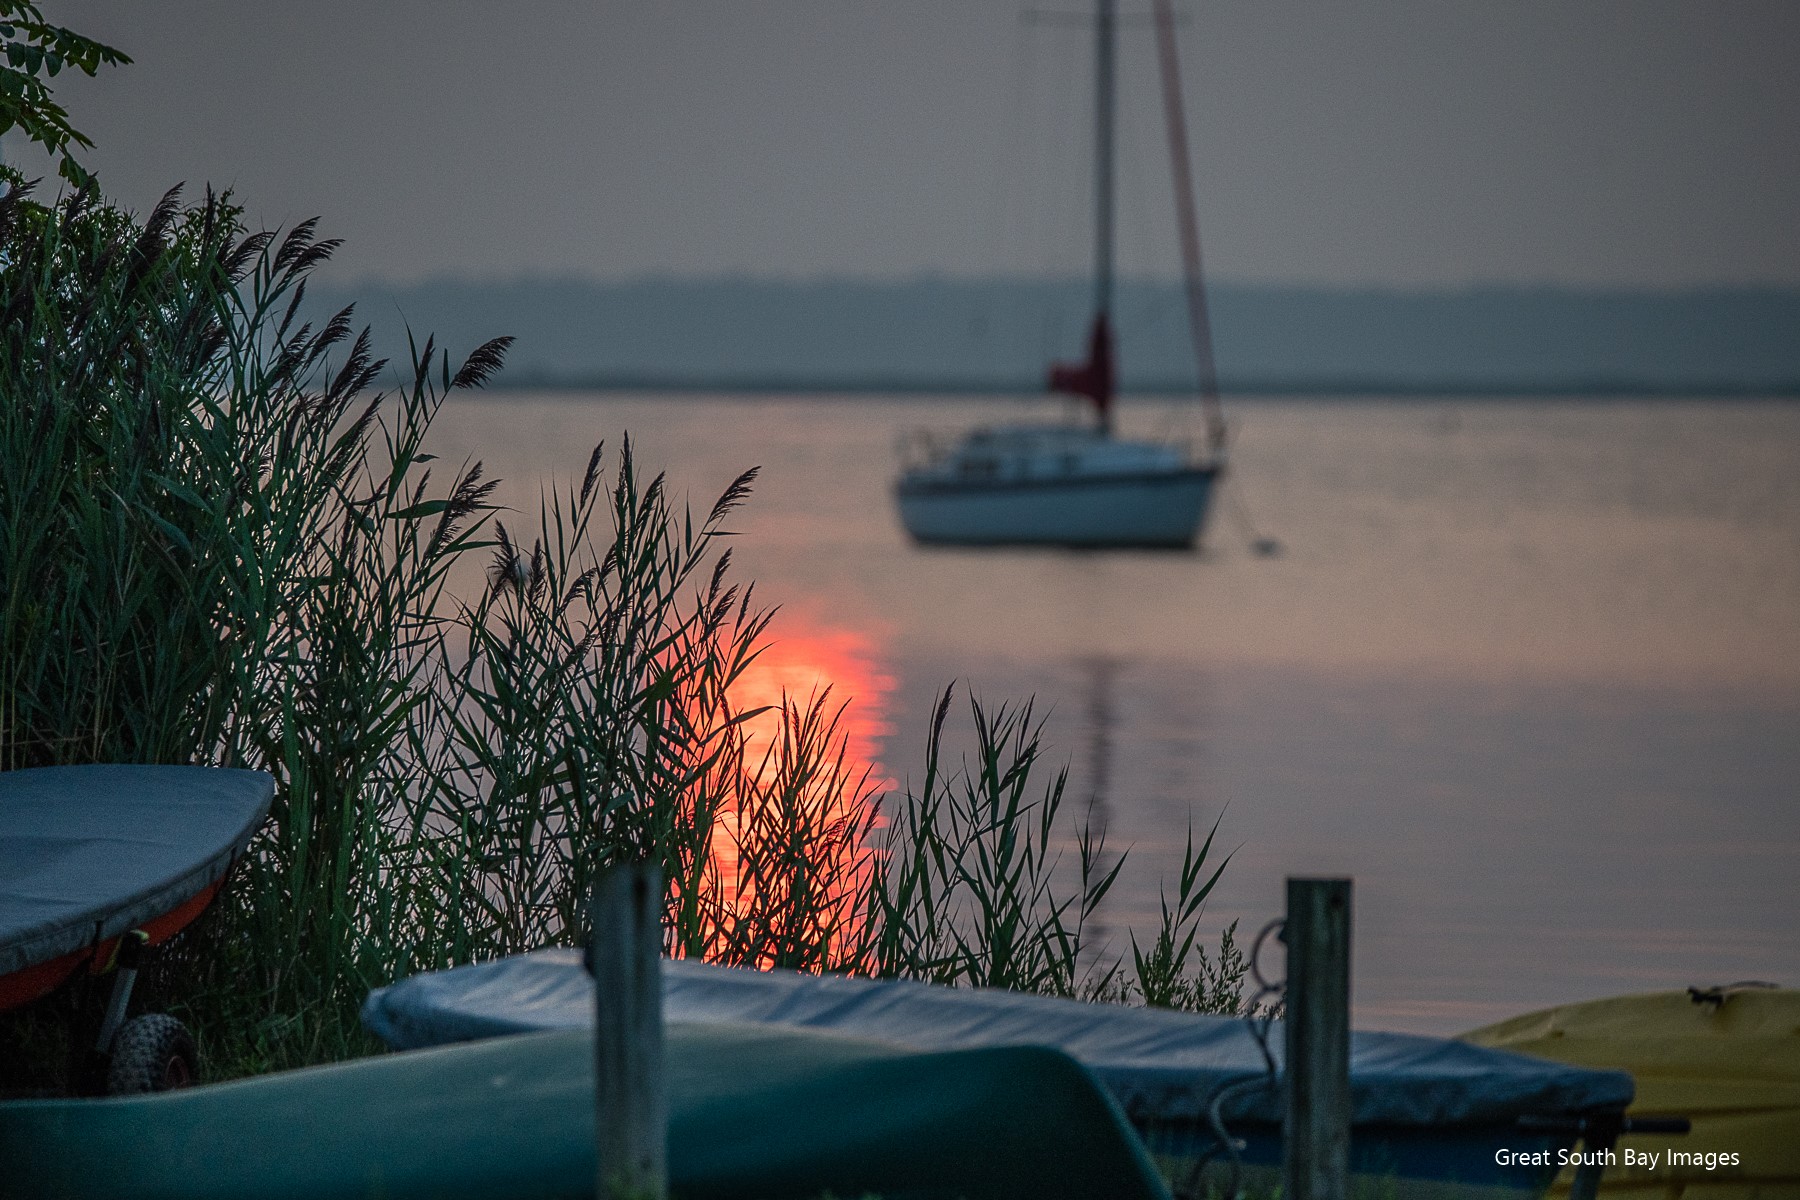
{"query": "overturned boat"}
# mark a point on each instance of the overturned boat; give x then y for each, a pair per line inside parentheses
(753, 1112)
(1430, 1118)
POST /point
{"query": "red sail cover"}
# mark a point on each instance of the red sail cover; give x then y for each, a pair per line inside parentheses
(1096, 378)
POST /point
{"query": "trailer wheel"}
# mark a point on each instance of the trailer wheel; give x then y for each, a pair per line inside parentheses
(151, 1053)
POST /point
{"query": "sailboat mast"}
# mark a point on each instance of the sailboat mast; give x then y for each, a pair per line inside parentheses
(1199, 322)
(1106, 25)
(1097, 377)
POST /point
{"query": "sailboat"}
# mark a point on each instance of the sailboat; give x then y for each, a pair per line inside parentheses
(1081, 484)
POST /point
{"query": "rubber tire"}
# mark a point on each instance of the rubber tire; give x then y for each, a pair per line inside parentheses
(152, 1053)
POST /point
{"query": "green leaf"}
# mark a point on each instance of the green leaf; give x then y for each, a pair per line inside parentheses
(425, 508)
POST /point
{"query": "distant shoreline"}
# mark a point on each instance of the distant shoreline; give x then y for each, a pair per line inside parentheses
(1599, 389)
(996, 337)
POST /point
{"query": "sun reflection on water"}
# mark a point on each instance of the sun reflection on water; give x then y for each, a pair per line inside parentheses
(783, 807)
(801, 661)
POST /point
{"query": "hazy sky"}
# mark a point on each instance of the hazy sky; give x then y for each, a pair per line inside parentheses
(1417, 142)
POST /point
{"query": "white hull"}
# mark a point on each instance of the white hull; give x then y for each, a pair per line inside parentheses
(1164, 509)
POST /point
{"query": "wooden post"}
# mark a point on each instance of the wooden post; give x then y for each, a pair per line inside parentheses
(1316, 1133)
(630, 1110)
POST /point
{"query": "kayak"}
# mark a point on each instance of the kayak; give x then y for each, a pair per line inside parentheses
(753, 1112)
(1431, 1117)
(1728, 1059)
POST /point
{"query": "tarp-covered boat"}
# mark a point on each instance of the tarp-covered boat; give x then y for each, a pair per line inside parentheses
(88, 853)
(753, 1112)
(1430, 1115)
(1728, 1059)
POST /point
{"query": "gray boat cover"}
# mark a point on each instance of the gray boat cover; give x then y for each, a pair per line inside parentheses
(90, 852)
(1160, 1065)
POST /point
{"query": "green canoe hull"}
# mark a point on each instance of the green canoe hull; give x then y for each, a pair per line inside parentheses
(753, 1113)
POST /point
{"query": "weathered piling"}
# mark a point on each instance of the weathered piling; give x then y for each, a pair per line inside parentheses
(631, 1108)
(1316, 1130)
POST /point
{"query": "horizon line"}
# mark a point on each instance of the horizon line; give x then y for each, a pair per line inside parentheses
(764, 385)
(534, 277)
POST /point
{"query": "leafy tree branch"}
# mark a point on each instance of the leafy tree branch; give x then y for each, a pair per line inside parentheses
(35, 51)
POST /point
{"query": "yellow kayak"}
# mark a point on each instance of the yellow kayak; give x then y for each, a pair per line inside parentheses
(1726, 1058)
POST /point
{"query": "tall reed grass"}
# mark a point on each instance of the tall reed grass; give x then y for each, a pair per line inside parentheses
(224, 540)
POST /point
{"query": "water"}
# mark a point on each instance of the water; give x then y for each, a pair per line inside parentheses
(1528, 671)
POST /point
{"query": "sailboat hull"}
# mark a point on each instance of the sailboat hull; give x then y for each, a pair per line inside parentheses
(1163, 510)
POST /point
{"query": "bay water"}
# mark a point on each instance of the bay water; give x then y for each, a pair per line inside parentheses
(1528, 671)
